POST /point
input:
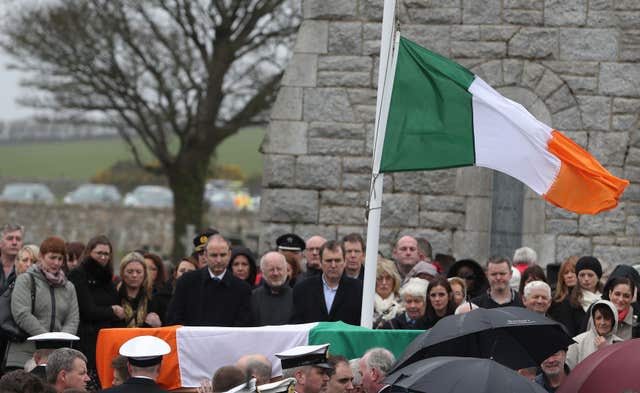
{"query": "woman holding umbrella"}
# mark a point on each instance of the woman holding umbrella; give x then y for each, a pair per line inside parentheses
(603, 324)
(440, 301)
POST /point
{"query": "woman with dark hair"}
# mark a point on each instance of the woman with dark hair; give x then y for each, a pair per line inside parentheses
(587, 291)
(620, 291)
(243, 265)
(440, 301)
(159, 289)
(74, 252)
(135, 293)
(186, 264)
(532, 273)
(97, 297)
(55, 307)
(472, 273)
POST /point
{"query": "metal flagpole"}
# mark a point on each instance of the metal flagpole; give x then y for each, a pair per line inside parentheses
(385, 84)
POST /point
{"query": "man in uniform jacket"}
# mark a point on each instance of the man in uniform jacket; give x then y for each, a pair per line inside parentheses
(330, 296)
(211, 296)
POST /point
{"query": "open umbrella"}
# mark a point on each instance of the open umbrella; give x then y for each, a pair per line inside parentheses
(612, 369)
(512, 336)
(460, 375)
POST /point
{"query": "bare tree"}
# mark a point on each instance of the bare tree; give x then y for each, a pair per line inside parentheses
(176, 77)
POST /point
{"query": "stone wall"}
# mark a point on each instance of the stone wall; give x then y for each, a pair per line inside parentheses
(573, 63)
(128, 228)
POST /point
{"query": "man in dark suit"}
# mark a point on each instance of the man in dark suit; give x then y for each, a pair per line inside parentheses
(144, 354)
(330, 296)
(211, 296)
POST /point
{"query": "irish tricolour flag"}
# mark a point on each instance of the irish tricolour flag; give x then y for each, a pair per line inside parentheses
(441, 115)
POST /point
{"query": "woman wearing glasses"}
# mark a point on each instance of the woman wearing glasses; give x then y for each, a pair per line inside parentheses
(97, 296)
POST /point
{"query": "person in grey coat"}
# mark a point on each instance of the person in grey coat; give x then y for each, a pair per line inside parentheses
(56, 305)
(272, 302)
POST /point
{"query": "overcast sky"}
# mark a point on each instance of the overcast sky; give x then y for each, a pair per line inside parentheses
(10, 89)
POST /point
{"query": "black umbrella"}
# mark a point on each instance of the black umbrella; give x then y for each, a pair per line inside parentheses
(460, 375)
(512, 336)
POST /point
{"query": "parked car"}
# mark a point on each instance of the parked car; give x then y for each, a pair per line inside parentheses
(27, 192)
(149, 196)
(220, 199)
(94, 193)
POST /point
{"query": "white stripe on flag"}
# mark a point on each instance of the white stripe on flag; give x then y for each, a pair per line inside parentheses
(202, 350)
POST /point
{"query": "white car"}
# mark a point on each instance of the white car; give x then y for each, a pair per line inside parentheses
(27, 192)
(94, 193)
(149, 196)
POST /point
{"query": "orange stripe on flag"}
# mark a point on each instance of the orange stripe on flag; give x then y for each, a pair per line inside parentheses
(582, 185)
(110, 340)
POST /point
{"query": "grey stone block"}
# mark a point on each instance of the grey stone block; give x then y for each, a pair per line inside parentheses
(340, 215)
(620, 79)
(362, 96)
(371, 9)
(344, 198)
(344, 230)
(562, 226)
(318, 172)
(560, 99)
(437, 16)
(579, 137)
(567, 119)
(285, 137)
(624, 122)
(489, 49)
(609, 147)
(471, 244)
(312, 37)
(345, 63)
(511, 71)
(627, 19)
(603, 240)
(336, 130)
(442, 220)
(365, 113)
(336, 147)
(556, 212)
(534, 42)
(344, 79)
(478, 217)
(345, 38)
(305, 231)
(443, 203)
(356, 164)
(357, 181)
(576, 68)
(278, 170)
(523, 17)
(617, 255)
(626, 5)
(600, 4)
(481, 12)
(434, 38)
(630, 45)
(567, 246)
(289, 206)
(465, 33)
(327, 104)
(400, 210)
(565, 12)
(596, 112)
(548, 84)
(633, 156)
(474, 181)
(581, 84)
(632, 193)
(533, 216)
(531, 74)
(425, 182)
(588, 44)
(626, 105)
(288, 105)
(301, 71)
(524, 4)
(497, 33)
(633, 226)
(545, 246)
(601, 19)
(329, 9)
(611, 222)
(490, 72)
(632, 173)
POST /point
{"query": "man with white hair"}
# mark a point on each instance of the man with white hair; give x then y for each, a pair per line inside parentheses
(537, 296)
(374, 366)
(524, 257)
(272, 302)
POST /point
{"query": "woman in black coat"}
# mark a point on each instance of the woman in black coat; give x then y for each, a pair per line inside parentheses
(97, 296)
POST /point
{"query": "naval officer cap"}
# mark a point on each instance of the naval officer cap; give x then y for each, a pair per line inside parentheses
(290, 242)
(287, 385)
(201, 239)
(54, 340)
(144, 351)
(305, 355)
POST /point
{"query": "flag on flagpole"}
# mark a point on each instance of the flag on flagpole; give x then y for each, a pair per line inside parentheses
(441, 115)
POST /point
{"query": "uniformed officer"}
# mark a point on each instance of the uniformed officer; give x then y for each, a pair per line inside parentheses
(144, 354)
(308, 365)
(45, 344)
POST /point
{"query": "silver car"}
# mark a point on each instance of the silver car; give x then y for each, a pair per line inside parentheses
(149, 196)
(94, 193)
(27, 192)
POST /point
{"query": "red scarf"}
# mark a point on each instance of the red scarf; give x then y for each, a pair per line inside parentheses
(623, 314)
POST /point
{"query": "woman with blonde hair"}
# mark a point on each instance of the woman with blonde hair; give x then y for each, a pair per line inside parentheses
(386, 302)
(27, 256)
(134, 292)
(560, 309)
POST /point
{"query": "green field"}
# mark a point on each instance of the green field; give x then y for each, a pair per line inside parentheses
(82, 159)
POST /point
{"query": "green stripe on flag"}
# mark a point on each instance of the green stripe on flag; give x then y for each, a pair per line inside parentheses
(430, 122)
(353, 341)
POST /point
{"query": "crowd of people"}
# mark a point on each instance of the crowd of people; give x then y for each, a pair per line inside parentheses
(75, 288)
